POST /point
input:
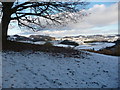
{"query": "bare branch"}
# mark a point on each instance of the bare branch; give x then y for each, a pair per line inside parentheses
(51, 12)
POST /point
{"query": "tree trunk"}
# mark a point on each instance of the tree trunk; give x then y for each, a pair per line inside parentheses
(5, 24)
(5, 21)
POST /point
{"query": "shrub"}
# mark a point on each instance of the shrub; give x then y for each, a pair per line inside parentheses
(90, 41)
(67, 42)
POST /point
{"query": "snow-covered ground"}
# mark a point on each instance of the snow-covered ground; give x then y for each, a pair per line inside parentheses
(63, 45)
(42, 70)
(96, 46)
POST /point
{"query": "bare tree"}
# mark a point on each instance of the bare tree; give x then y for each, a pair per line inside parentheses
(37, 14)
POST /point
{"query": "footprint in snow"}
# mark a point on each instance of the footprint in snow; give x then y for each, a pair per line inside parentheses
(103, 86)
(105, 71)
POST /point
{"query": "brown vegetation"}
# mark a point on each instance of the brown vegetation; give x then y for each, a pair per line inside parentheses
(114, 50)
(48, 48)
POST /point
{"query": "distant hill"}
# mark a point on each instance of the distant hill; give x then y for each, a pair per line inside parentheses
(18, 38)
(67, 42)
(33, 38)
(41, 38)
(101, 38)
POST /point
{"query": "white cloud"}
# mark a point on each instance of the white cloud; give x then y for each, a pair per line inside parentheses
(100, 16)
(103, 15)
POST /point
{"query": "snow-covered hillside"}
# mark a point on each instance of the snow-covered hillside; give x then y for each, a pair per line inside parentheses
(42, 70)
(96, 46)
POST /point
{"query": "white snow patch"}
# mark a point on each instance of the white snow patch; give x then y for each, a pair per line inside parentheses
(63, 45)
(41, 70)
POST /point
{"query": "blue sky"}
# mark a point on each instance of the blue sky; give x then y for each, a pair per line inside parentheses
(103, 20)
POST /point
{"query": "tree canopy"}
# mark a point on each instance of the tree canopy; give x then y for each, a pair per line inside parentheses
(36, 15)
(42, 14)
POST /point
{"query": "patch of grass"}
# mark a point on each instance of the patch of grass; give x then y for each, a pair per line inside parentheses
(91, 50)
(48, 48)
(90, 41)
(114, 50)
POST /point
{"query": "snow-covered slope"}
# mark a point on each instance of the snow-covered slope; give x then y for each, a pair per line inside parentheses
(42, 70)
(95, 46)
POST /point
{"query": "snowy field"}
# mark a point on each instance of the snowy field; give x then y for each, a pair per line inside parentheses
(41, 70)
